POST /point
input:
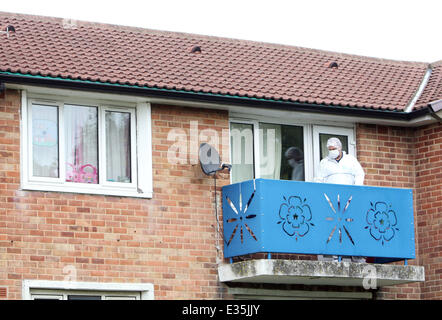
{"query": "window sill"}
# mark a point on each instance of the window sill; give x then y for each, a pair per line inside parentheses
(88, 189)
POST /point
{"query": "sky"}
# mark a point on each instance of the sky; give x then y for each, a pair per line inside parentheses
(390, 29)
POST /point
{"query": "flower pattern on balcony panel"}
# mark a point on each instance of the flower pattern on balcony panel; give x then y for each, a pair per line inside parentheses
(381, 222)
(295, 216)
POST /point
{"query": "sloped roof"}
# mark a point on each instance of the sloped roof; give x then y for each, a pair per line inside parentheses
(433, 88)
(52, 47)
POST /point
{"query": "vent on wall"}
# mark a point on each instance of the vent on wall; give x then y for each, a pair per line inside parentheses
(3, 292)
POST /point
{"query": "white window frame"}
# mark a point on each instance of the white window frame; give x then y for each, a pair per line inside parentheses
(256, 160)
(311, 129)
(60, 290)
(342, 131)
(141, 148)
(308, 170)
(102, 142)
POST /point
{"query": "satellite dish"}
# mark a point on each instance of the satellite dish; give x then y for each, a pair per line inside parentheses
(209, 159)
(210, 162)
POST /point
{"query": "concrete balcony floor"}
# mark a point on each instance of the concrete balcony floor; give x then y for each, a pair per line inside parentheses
(278, 271)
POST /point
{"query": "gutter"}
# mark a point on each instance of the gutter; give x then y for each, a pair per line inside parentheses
(153, 92)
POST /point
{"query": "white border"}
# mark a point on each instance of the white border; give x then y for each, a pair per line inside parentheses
(145, 289)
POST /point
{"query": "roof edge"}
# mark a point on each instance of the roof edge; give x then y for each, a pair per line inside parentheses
(117, 88)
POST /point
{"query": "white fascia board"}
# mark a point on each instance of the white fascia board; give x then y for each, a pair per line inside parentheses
(234, 110)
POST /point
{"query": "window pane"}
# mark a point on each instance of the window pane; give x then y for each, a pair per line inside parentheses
(45, 141)
(292, 167)
(281, 152)
(241, 144)
(118, 147)
(323, 143)
(81, 132)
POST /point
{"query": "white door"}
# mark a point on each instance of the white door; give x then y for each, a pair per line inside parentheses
(320, 136)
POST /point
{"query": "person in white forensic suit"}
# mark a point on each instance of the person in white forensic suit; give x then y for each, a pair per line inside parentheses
(340, 168)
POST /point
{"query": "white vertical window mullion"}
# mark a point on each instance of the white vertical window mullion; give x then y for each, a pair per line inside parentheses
(133, 148)
(101, 146)
(308, 153)
(61, 144)
(256, 149)
(30, 158)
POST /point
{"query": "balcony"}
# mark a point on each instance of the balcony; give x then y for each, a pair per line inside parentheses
(272, 216)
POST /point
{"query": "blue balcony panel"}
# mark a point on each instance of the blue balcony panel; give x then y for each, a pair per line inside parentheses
(277, 216)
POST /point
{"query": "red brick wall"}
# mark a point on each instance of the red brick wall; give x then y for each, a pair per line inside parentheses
(410, 158)
(387, 155)
(168, 240)
(429, 206)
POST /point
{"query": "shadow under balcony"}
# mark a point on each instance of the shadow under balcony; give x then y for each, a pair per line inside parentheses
(290, 217)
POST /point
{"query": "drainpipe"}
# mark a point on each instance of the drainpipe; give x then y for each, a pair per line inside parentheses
(421, 88)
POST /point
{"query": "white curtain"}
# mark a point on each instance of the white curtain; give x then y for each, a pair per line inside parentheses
(118, 147)
(270, 148)
(45, 141)
(81, 137)
(241, 143)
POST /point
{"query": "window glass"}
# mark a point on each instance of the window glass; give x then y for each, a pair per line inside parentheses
(281, 152)
(118, 148)
(323, 137)
(81, 134)
(241, 150)
(45, 141)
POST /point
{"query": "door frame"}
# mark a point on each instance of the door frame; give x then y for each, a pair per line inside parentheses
(342, 131)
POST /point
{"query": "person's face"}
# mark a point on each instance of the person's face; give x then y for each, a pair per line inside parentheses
(334, 152)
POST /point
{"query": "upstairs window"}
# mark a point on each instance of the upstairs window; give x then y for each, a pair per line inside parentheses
(86, 148)
(266, 150)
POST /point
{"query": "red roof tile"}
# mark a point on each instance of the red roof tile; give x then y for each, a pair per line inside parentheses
(433, 89)
(142, 57)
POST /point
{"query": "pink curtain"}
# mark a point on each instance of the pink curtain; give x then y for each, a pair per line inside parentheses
(81, 132)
